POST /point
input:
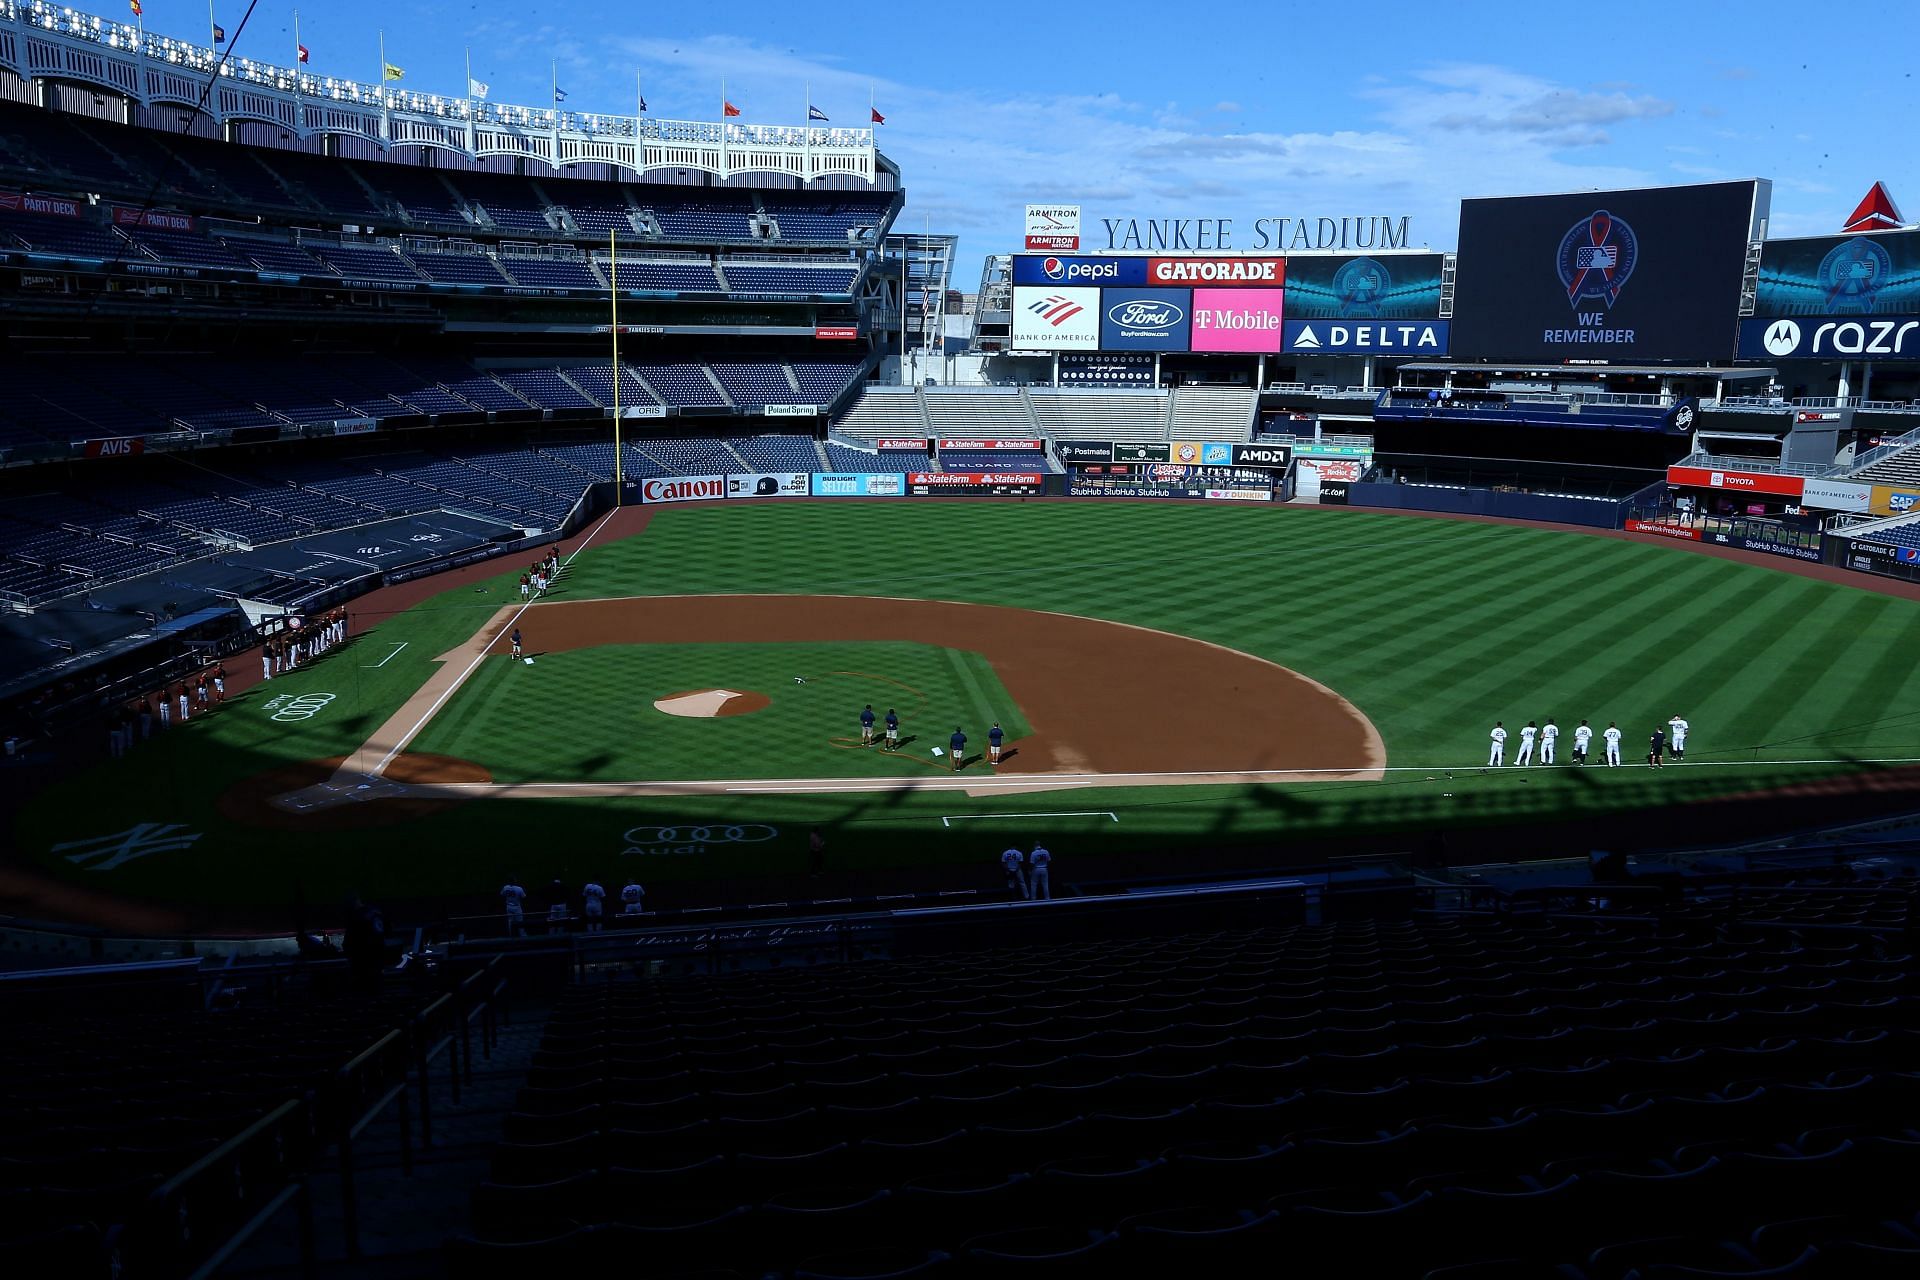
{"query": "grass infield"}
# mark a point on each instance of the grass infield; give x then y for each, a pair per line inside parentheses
(1432, 628)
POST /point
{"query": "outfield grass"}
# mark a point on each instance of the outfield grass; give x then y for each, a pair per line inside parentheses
(1432, 628)
(588, 714)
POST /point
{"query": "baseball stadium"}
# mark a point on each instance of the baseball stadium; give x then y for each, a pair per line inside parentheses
(1343, 756)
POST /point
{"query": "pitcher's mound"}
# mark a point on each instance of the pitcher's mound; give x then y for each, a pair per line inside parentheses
(705, 703)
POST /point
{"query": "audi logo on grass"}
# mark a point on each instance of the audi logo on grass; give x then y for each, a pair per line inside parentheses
(692, 839)
(302, 707)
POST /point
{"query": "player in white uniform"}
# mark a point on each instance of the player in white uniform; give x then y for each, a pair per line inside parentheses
(1498, 756)
(1677, 736)
(1526, 744)
(1582, 739)
(593, 897)
(1549, 735)
(1014, 863)
(633, 898)
(1039, 869)
(515, 899)
(1612, 735)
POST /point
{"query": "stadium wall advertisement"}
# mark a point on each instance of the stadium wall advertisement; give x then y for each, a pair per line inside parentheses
(1736, 481)
(1049, 319)
(1836, 495)
(1835, 297)
(1485, 502)
(682, 488)
(1887, 500)
(1052, 269)
(763, 485)
(1649, 274)
(837, 484)
(1882, 558)
(1156, 480)
(978, 444)
(1380, 338)
(1053, 227)
(1238, 320)
(1145, 319)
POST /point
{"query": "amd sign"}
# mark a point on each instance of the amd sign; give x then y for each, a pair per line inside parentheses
(1829, 337)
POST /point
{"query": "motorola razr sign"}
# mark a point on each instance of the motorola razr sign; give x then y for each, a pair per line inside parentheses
(1836, 298)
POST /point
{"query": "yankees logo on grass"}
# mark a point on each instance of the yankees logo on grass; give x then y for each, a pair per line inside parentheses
(688, 840)
(299, 707)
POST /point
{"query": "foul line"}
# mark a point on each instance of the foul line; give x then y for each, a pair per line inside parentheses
(478, 658)
(398, 645)
(947, 820)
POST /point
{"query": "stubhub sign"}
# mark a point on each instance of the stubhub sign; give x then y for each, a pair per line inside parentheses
(1036, 268)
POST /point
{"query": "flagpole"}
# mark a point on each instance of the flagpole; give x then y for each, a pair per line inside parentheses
(470, 138)
(613, 303)
(299, 113)
(723, 129)
(386, 116)
(806, 138)
(213, 41)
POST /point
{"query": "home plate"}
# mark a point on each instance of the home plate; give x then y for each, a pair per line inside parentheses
(702, 704)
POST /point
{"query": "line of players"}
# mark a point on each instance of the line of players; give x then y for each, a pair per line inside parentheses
(956, 745)
(1548, 735)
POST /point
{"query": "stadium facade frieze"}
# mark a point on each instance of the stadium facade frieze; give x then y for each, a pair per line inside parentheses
(1219, 235)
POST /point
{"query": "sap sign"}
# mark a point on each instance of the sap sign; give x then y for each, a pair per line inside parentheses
(1034, 268)
(1377, 337)
(1145, 319)
(1829, 337)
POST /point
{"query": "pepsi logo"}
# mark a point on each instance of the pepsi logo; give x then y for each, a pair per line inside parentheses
(1054, 269)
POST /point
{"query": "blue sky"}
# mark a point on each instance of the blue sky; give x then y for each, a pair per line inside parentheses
(1215, 110)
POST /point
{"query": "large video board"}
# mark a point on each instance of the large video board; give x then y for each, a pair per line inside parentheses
(1836, 298)
(1643, 275)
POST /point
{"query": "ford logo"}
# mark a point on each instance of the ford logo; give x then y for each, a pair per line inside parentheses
(1156, 316)
(1054, 269)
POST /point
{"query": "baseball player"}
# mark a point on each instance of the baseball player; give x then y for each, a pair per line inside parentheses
(516, 642)
(1498, 756)
(220, 683)
(1527, 736)
(958, 745)
(526, 586)
(594, 898)
(1015, 866)
(515, 899)
(893, 730)
(1612, 735)
(1677, 735)
(1582, 739)
(1657, 749)
(866, 725)
(1038, 863)
(633, 898)
(166, 709)
(994, 738)
(1549, 736)
(185, 702)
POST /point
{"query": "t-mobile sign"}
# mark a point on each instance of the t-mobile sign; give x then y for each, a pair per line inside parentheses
(1238, 319)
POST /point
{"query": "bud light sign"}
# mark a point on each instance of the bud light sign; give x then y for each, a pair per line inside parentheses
(1145, 319)
(1035, 268)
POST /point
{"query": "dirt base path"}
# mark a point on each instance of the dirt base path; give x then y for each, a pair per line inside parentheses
(1110, 704)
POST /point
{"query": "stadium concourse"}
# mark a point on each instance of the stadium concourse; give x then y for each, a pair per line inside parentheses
(328, 392)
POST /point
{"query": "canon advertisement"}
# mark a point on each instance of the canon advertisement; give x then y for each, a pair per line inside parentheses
(1644, 275)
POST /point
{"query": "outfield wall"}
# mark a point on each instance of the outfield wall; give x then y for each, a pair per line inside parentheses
(1591, 513)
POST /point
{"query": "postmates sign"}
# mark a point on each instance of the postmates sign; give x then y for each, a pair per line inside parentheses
(683, 488)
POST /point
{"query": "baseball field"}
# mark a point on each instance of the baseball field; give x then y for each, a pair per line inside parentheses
(1166, 676)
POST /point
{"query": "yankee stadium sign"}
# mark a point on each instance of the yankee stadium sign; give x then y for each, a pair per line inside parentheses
(1204, 235)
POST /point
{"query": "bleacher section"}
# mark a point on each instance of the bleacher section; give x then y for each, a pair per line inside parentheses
(860, 461)
(1213, 413)
(1096, 415)
(1705, 1092)
(1184, 413)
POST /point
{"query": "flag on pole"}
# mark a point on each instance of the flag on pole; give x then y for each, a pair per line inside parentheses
(559, 94)
(390, 72)
(135, 6)
(219, 34)
(815, 113)
(643, 104)
(877, 117)
(302, 52)
(476, 88)
(728, 109)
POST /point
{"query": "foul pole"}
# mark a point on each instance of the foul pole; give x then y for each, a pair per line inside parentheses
(613, 305)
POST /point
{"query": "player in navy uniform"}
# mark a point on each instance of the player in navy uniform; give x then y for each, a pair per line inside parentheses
(866, 726)
(994, 738)
(958, 745)
(516, 642)
(893, 730)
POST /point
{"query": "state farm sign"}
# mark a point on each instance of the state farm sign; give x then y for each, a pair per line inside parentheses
(972, 479)
(962, 443)
(683, 488)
